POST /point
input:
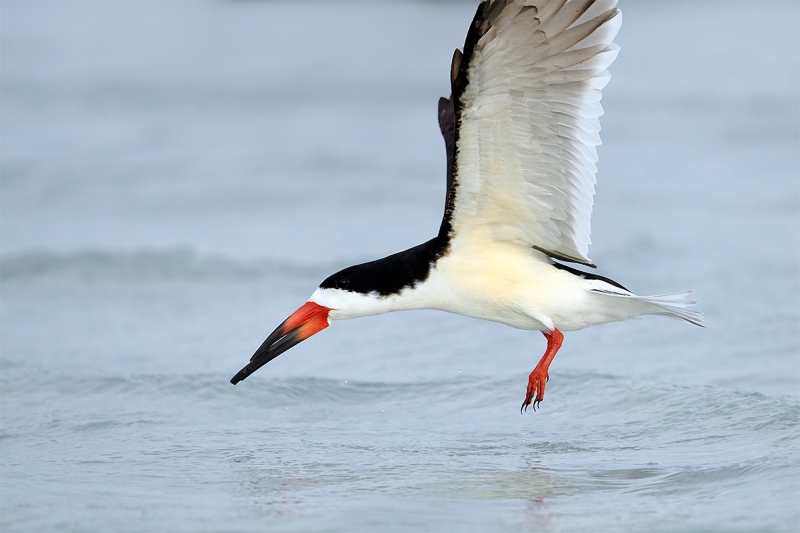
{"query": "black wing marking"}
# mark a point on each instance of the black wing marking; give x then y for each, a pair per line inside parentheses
(449, 109)
(447, 125)
(588, 275)
(562, 257)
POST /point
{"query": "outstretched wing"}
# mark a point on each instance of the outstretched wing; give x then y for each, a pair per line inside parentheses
(522, 123)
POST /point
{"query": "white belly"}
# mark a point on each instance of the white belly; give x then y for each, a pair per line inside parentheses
(511, 284)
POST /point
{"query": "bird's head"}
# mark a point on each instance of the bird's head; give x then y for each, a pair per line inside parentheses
(353, 292)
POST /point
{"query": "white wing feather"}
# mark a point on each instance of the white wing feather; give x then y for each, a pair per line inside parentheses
(529, 124)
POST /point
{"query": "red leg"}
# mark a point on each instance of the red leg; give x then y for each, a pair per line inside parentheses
(539, 376)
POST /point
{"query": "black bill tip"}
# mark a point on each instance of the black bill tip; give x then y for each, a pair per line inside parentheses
(302, 324)
(243, 373)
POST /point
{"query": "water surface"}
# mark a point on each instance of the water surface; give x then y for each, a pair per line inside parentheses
(178, 177)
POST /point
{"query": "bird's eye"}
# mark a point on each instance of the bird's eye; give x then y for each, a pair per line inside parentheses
(342, 283)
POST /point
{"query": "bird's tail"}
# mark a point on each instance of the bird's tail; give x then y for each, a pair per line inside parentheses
(675, 305)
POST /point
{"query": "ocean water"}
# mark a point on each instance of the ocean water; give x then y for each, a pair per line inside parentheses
(178, 177)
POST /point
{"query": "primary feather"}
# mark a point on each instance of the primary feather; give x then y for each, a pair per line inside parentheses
(527, 103)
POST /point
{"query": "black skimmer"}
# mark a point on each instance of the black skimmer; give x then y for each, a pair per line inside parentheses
(520, 128)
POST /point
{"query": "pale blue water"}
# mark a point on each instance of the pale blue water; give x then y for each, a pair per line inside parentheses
(178, 177)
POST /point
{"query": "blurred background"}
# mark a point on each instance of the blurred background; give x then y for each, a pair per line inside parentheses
(179, 177)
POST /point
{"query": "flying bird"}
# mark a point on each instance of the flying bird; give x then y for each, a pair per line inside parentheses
(520, 129)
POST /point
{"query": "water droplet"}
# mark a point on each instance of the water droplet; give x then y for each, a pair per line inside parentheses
(287, 406)
(459, 370)
(345, 381)
(382, 410)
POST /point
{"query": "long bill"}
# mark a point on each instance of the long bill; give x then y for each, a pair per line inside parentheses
(303, 323)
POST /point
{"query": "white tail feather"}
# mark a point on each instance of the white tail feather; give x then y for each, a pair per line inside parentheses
(675, 305)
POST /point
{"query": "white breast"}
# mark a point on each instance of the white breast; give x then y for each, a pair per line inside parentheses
(502, 282)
